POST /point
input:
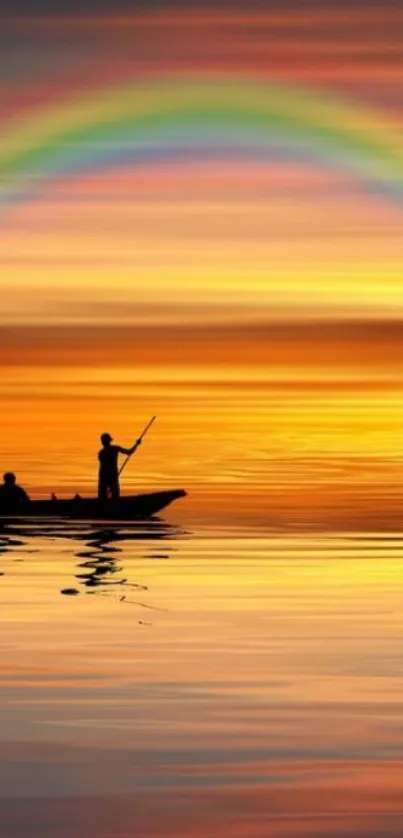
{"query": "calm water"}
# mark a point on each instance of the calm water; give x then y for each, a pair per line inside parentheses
(168, 681)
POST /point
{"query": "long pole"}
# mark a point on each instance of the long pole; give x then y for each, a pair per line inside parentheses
(140, 438)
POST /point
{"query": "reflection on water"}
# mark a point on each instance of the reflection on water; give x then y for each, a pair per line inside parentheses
(252, 688)
(98, 570)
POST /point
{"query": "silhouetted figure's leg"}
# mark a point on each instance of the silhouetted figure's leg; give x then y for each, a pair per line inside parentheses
(114, 488)
(102, 489)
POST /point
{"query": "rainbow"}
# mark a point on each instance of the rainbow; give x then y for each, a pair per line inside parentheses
(141, 123)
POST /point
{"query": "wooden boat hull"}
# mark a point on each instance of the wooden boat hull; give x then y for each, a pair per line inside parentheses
(128, 508)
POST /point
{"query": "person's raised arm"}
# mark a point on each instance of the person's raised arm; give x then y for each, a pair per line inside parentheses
(129, 451)
(136, 445)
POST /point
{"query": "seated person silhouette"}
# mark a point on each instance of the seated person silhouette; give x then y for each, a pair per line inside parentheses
(12, 496)
(108, 482)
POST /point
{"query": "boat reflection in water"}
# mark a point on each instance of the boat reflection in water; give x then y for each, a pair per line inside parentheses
(99, 548)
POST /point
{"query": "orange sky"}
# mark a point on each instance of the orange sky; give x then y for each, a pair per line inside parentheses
(135, 290)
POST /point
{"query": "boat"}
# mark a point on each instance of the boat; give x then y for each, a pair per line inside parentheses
(127, 508)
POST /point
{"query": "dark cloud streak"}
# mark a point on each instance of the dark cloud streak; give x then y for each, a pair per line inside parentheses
(25, 8)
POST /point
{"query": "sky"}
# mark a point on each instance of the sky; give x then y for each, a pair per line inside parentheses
(191, 198)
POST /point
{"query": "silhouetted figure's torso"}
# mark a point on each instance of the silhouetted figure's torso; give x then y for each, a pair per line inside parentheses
(108, 471)
(108, 458)
(12, 497)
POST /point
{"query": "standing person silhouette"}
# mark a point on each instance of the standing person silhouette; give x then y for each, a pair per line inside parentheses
(108, 482)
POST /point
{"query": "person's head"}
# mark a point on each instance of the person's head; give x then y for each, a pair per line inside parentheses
(9, 478)
(106, 439)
